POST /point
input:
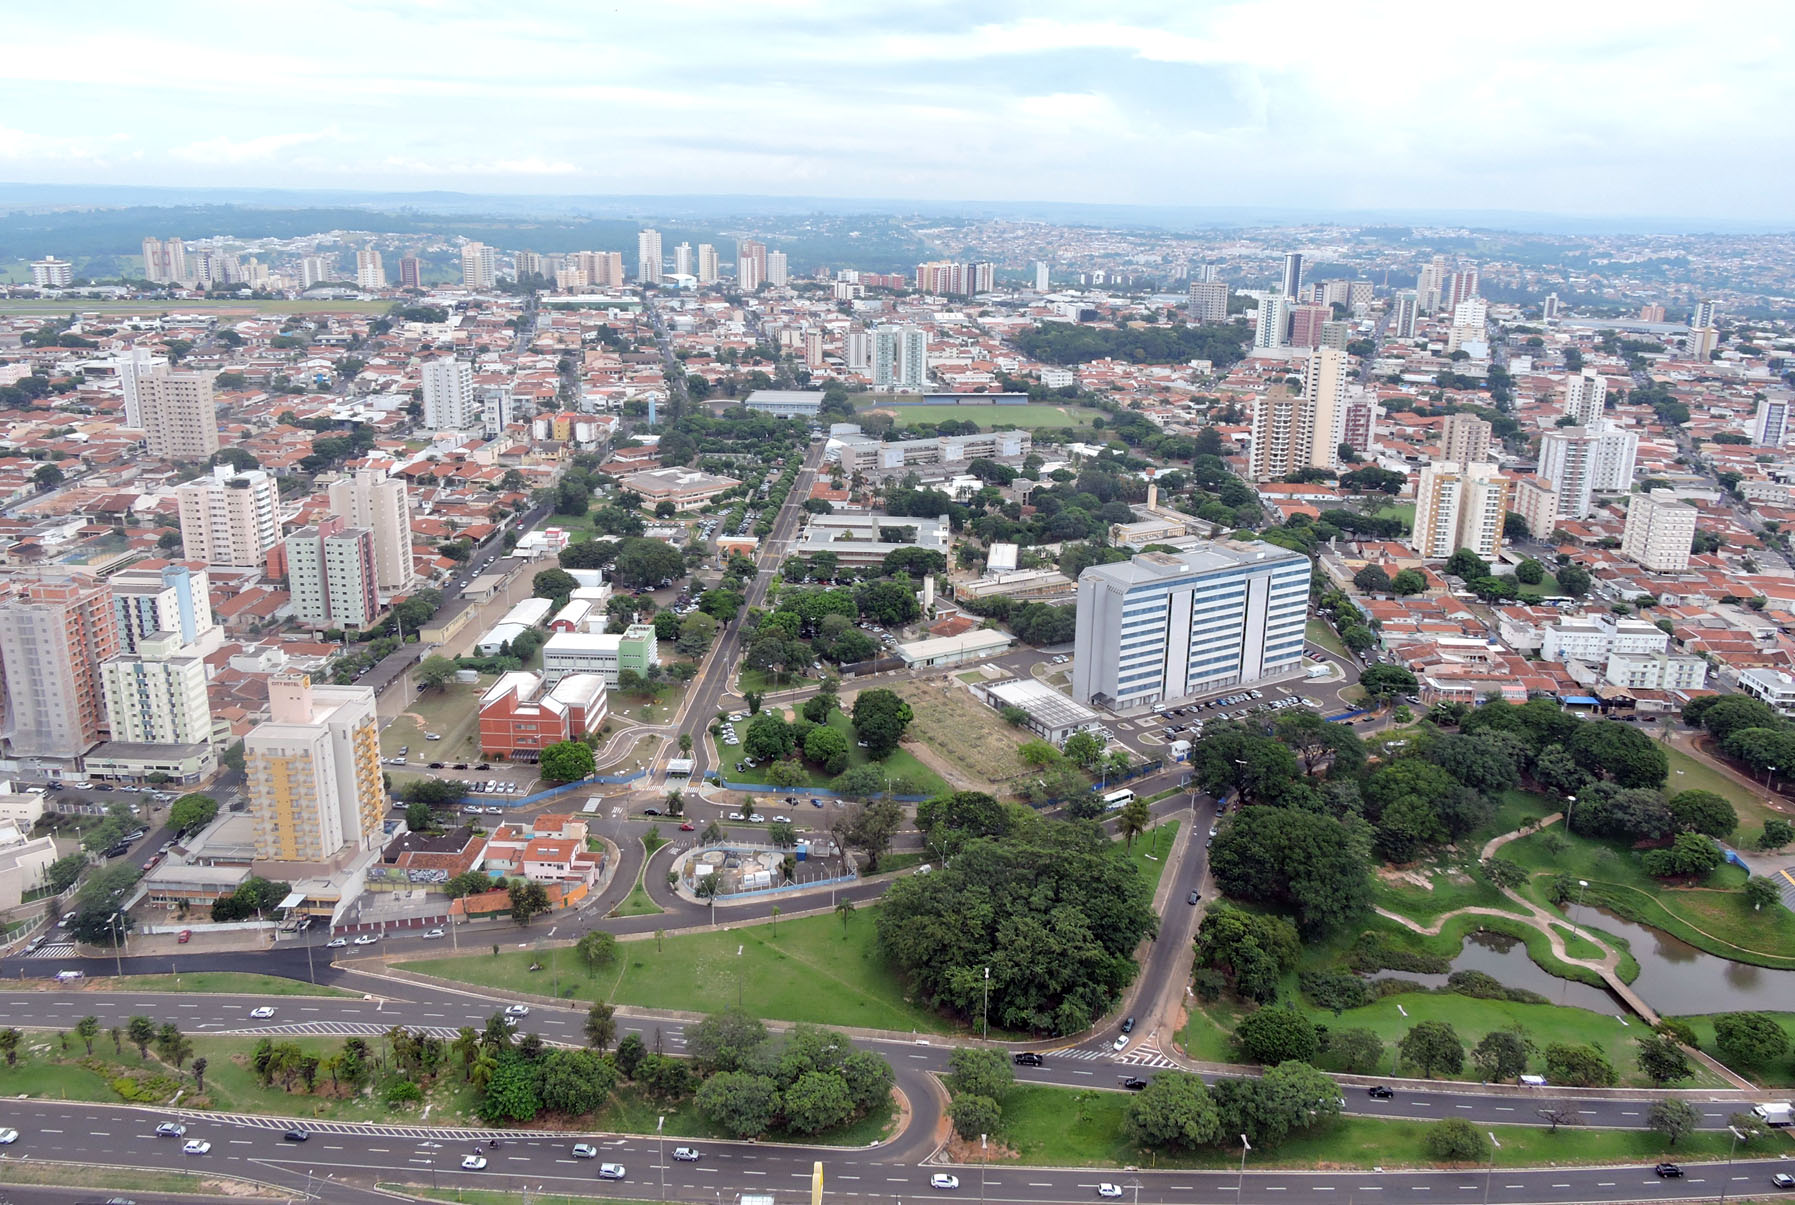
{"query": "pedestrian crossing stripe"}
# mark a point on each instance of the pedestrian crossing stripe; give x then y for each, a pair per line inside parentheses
(59, 950)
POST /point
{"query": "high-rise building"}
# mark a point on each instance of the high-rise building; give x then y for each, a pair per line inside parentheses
(778, 269)
(369, 498)
(1700, 342)
(900, 358)
(1293, 275)
(313, 772)
(1165, 626)
(158, 596)
(370, 272)
(1660, 531)
(1704, 314)
(1770, 426)
(1359, 430)
(1280, 435)
(857, 348)
(330, 572)
(707, 264)
(132, 366)
(648, 257)
(449, 401)
(526, 263)
(55, 631)
(1465, 438)
(156, 695)
(411, 272)
(1536, 501)
(1336, 334)
(1274, 321)
(479, 266)
(1458, 506)
(1581, 462)
(1651, 312)
(1549, 308)
(180, 421)
(155, 261)
(1402, 326)
(1430, 284)
(1043, 276)
(750, 264)
(51, 273)
(229, 518)
(1325, 377)
(314, 270)
(1305, 325)
(1585, 396)
(602, 269)
(174, 260)
(1460, 287)
(498, 409)
(682, 260)
(1208, 301)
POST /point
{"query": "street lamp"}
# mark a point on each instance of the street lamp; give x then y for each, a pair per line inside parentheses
(661, 1152)
(1727, 1175)
(985, 1026)
(1769, 772)
(116, 925)
(1495, 1145)
(1582, 886)
(1570, 801)
(982, 1159)
(1240, 1180)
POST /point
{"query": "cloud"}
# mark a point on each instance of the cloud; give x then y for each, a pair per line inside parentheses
(494, 167)
(23, 146)
(246, 150)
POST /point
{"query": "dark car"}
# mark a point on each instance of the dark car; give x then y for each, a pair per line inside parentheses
(297, 1134)
(484, 766)
(1029, 1058)
(436, 765)
(1194, 897)
(1380, 1092)
(651, 811)
(1669, 1171)
(1134, 1083)
(1128, 1025)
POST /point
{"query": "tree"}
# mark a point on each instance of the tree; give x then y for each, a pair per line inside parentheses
(879, 718)
(1253, 948)
(434, 671)
(1675, 1119)
(1409, 581)
(601, 1024)
(1274, 1035)
(1703, 812)
(1385, 682)
(567, 761)
(1749, 1039)
(726, 1041)
(46, 476)
(528, 900)
(1355, 1051)
(1562, 1113)
(696, 631)
(1610, 749)
(1577, 1065)
(1467, 565)
(87, 1029)
(816, 1101)
(870, 828)
(192, 812)
(980, 1071)
(172, 1046)
(1134, 819)
(743, 1103)
(199, 1074)
(1313, 864)
(575, 1082)
(828, 748)
(1456, 1140)
(1777, 833)
(1573, 579)
(1727, 714)
(1372, 580)
(1432, 1047)
(1662, 1059)
(141, 1031)
(974, 1115)
(1084, 749)
(1690, 855)
(596, 949)
(1173, 1110)
(631, 1050)
(556, 585)
(1761, 891)
(769, 737)
(1500, 1054)
(419, 818)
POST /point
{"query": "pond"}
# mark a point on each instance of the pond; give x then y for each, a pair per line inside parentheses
(1505, 960)
(1676, 978)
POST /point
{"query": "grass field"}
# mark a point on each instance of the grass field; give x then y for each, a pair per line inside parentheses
(908, 775)
(452, 710)
(1068, 1127)
(1317, 631)
(992, 418)
(1149, 854)
(959, 729)
(245, 306)
(807, 970)
(637, 903)
(214, 982)
(1689, 773)
(1779, 1074)
(87, 1175)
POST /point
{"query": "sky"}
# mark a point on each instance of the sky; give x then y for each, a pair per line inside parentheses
(1593, 107)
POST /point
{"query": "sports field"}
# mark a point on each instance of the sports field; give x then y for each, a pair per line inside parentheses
(989, 418)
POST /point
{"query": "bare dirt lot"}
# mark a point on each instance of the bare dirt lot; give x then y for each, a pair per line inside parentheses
(963, 732)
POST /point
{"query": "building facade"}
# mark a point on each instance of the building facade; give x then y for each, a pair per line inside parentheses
(1465, 438)
(449, 401)
(1660, 531)
(606, 654)
(1581, 462)
(648, 257)
(371, 499)
(163, 598)
(519, 717)
(313, 772)
(900, 358)
(157, 695)
(180, 421)
(330, 572)
(1459, 506)
(55, 632)
(1585, 396)
(230, 518)
(1163, 626)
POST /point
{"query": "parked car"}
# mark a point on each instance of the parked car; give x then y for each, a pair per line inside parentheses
(367, 939)
(336, 943)
(437, 932)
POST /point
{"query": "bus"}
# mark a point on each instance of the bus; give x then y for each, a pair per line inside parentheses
(1117, 799)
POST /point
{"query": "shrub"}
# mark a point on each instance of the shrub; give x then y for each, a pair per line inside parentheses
(1456, 1140)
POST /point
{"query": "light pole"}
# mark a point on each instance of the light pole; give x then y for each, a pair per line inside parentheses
(1495, 1146)
(660, 1158)
(982, 1158)
(1582, 886)
(1570, 801)
(1768, 772)
(1729, 1162)
(1240, 1180)
(985, 1025)
(117, 927)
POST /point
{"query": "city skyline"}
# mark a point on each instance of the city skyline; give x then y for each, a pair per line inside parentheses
(984, 103)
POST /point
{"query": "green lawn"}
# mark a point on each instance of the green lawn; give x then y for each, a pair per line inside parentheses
(1149, 854)
(216, 982)
(637, 903)
(1032, 416)
(452, 711)
(1711, 916)
(1398, 510)
(762, 681)
(1576, 945)
(1318, 631)
(908, 775)
(805, 970)
(1779, 1074)
(1069, 1127)
(88, 1175)
(1460, 886)
(1689, 773)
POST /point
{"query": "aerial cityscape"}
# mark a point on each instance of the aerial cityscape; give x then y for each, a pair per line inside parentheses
(1094, 608)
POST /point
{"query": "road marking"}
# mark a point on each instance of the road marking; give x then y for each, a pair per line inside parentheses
(1463, 1106)
(1604, 1183)
(1505, 1108)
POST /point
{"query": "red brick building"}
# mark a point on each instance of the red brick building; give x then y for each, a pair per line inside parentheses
(518, 719)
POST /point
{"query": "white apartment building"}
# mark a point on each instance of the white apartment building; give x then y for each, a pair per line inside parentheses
(1772, 686)
(1269, 330)
(1585, 396)
(648, 256)
(1459, 506)
(1465, 438)
(1325, 376)
(1581, 462)
(479, 266)
(1594, 638)
(707, 264)
(166, 598)
(1042, 275)
(313, 772)
(900, 358)
(1403, 324)
(157, 695)
(449, 400)
(370, 273)
(52, 273)
(371, 499)
(1770, 425)
(778, 268)
(330, 572)
(1660, 531)
(1161, 626)
(1537, 503)
(1656, 671)
(230, 518)
(1208, 301)
(180, 421)
(132, 366)
(1281, 435)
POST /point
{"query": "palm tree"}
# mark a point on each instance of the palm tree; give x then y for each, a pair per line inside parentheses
(775, 920)
(485, 1066)
(199, 1074)
(844, 909)
(9, 1044)
(466, 1045)
(87, 1029)
(1134, 820)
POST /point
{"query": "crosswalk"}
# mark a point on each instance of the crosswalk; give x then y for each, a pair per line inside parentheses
(1144, 1055)
(59, 949)
(1785, 878)
(434, 1134)
(340, 1029)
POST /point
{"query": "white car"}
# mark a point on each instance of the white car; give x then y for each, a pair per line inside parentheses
(367, 939)
(8, 1137)
(584, 1150)
(171, 1129)
(1121, 1042)
(518, 1010)
(433, 933)
(1109, 1190)
(610, 1171)
(473, 1163)
(944, 1181)
(262, 1013)
(685, 1154)
(756, 818)
(336, 943)
(196, 1146)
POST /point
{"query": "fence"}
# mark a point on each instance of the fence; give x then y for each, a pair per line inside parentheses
(506, 801)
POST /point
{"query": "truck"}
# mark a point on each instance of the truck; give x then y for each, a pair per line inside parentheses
(1777, 1113)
